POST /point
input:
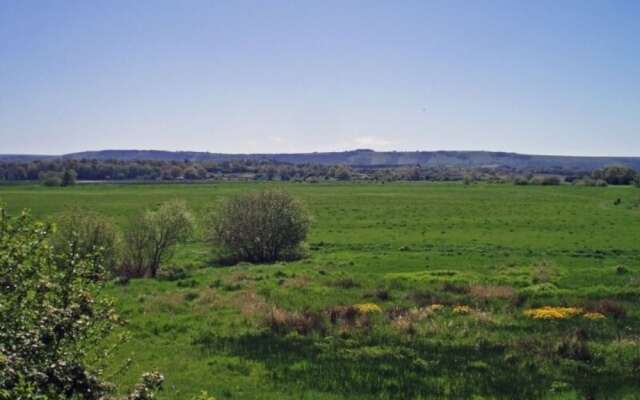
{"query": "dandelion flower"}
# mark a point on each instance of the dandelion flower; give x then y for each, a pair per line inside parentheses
(461, 310)
(594, 316)
(368, 308)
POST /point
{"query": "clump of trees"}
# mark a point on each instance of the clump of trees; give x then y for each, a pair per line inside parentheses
(52, 322)
(148, 241)
(261, 226)
(615, 175)
(53, 178)
(542, 180)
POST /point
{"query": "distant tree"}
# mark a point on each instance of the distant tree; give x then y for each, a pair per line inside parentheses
(546, 180)
(342, 173)
(191, 173)
(50, 179)
(69, 177)
(263, 226)
(152, 236)
(615, 175)
(468, 179)
(520, 181)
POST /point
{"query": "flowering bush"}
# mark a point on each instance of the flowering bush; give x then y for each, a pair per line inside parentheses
(548, 312)
(51, 322)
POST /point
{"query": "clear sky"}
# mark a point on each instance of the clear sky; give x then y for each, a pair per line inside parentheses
(545, 77)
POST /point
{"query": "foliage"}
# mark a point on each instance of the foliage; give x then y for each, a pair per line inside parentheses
(615, 175)
(64, 170)
(90, 233)
(50, 178)
(512, 248)
(147, 387)
(50, 319)
(69, 177)
(259, 226)
(152, 235)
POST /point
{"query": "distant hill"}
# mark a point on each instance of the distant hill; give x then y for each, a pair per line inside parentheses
(365, 157)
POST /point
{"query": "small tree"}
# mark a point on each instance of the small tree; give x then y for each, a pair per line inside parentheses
(51, 179)
(616, 175)
(91, 233)
(263, 226)
(49, 316)
(69, 177)
(152, 236)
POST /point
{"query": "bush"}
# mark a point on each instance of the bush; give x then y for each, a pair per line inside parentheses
(69, 178)
(590, 182)
(263, 226)
(546, 180)
(51, 322)
(616, 175)
(50, 179)
(89, 233)
(152, 236)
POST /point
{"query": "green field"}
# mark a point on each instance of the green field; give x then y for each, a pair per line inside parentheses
(498, 249)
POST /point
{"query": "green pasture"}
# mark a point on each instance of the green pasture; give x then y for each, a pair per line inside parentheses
(401, 246)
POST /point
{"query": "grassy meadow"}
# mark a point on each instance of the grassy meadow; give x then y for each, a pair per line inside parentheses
(409, 290)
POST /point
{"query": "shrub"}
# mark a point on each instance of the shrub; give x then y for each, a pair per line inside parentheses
(152, 236)
(546, 180)
(610, 308)
(263, 226)
(69, 178)
(282, 322)
(487, 293)
(52, 322)
(88, 233)
(520, 181)
(50, 179)
(615, 175)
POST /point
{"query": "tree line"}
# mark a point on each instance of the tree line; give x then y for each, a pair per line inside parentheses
(65, 172)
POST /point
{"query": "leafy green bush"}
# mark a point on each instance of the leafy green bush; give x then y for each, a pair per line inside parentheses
(52, 322)
(50, 179)
(263, 226)
(89, 233)
(152, 236)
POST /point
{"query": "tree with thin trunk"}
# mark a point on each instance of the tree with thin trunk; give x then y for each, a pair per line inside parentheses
(152, 237)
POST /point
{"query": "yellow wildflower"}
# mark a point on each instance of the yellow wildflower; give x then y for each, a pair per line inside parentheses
(435, 307)
(548, 312)
(461, 310)
(594, 316)
(368, 308)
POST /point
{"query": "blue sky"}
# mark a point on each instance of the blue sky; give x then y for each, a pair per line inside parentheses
(545, 77)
